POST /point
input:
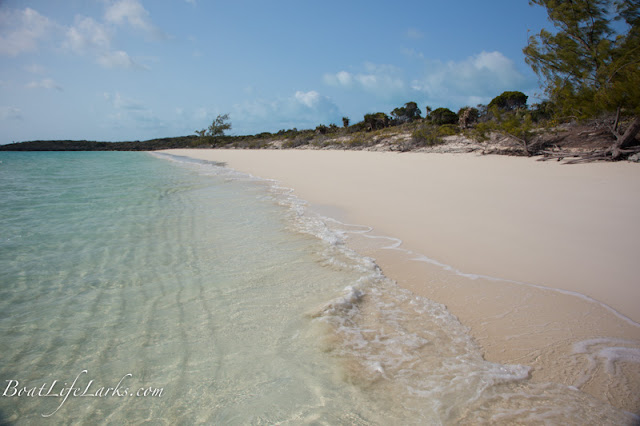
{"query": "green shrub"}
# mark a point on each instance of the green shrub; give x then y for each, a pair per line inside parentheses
(427, 136)
(509, 101)
(355, 141)
(443, 116)
(376, 121)
(448, 130)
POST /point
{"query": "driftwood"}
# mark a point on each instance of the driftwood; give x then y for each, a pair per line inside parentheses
(532, 146)
(625, 139)
(623, 145)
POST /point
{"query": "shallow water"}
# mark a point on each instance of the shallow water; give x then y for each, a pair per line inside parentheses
(229, 302)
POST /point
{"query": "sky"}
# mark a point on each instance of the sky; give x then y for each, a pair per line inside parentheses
(116, 70)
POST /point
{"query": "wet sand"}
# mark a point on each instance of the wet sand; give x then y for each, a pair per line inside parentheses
(539, 260)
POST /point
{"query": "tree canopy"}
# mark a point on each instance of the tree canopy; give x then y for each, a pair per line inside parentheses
(217, 128)
(509, 101)
(443, 116)
(589, 65)
(376, 121)
(408, 112)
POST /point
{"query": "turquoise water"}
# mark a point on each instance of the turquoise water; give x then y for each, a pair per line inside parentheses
(143, 288)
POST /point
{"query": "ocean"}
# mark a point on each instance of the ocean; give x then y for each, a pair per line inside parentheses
(147, 288)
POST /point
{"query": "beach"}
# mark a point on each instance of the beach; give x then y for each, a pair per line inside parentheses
(538, 259)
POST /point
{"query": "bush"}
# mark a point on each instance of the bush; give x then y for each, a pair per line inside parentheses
(467, 116)
(442, 116)
(448, 130)
(509, 101)
(376, 121)
(427, 136)
(355, 141)
(409, 112)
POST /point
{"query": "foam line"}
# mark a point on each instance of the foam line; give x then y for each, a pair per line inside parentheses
(396, 243)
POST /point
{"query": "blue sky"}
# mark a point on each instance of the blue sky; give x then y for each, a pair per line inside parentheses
(139, 69)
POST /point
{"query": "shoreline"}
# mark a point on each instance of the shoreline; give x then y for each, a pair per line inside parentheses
(547, 233)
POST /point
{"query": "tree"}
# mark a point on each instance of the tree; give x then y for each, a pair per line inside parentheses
(587, 66)
(509, 101)
(442, 116)
(376, 121)
(427, 112)
(345, 122)
(467, 116)
(217, 127)
(408, 112)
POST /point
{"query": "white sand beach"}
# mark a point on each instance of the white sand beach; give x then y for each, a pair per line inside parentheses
(538, 259)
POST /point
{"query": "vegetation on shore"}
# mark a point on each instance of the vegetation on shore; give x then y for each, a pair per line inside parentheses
(590, 73)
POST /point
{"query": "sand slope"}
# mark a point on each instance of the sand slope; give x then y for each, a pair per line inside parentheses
(563, 241)
(567, 227)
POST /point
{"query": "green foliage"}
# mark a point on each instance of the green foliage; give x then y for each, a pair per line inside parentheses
(217, 128)
(407, 113)
(509, 101)
(447, 130)
(355, 142)
(345, 122)
(83, 145)
(519, 126)
(587, 66)
(322, 129)
(376, 121)
(299, 140)
(442, 116)
(542, 111)
(357, 127)
(429, 135)
(481, 131)
(468, 116)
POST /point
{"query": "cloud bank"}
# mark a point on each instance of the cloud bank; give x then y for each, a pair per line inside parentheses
(302, 109)
(474, 80)
(23, 31)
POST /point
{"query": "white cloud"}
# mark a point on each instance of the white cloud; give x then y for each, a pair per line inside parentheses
(117, 59)
(309, 99)
(412, 53)
(414, 34)
(21, 31)
(480, 77)
(35, 69)
(131, 113)
(46, 83)
(87, 35)
(10, 113)
(132, 12)
(476, 79)
(302, 110)
(202, 113)
(121, 102)
(383, 81)
(342, 78)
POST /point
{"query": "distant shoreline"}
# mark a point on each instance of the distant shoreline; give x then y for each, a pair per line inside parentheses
(560, 143)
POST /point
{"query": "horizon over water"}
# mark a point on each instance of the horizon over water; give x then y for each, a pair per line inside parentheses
(139, 287)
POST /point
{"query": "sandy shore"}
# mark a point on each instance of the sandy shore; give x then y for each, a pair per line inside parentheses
(560, 242)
